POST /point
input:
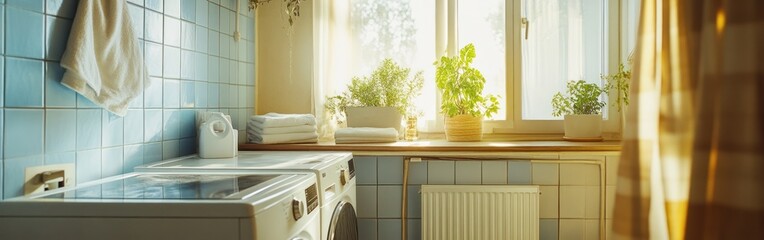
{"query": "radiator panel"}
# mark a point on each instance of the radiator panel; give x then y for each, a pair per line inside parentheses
(480, 212)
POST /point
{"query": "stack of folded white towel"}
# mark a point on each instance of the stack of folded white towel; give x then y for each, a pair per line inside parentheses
(282, 128)
(365, 135)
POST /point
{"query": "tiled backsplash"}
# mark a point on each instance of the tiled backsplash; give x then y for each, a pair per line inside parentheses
(568, 208)
(192, 58)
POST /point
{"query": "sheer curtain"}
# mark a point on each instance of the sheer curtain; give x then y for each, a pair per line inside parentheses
(692, 162)
(565, 41)
(355, 36)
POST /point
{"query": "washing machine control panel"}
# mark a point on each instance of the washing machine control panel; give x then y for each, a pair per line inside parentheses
(311, 197)
(351, 168)
(297, 209)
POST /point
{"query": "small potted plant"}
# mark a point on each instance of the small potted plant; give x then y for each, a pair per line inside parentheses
(463, 101)
(582, 109)
(378, 100)
(619, 82)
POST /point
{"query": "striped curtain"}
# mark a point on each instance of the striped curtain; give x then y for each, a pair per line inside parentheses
(692, 165)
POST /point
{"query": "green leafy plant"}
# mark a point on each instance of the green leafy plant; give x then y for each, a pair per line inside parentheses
(462, 86)
(620, 82)
(583, 98)
(388, 86)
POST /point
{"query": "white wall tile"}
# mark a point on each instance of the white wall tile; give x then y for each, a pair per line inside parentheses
(548, 202)
(519, 172)
(468, 172)
(579, 174)
(545, 173)
(414, 203)
(389, 201)
(170, 149)
(112, 129)
(413, 229)
(390, 170)
(367, 201)
(494, 172)
(88, 165)
(418, 172)
(591, 229)
(572, 201)
(440, 172)
(609, 201)
(572, 229)
(88, 129)
(548, 229)
(133, 157)
(112, 161)
(60, 158)
(60, 130)
(367, 229)
(592, 201)
(612, 169)
(365, 169)
(389, 229)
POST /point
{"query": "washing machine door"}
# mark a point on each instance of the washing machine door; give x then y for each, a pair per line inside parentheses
(344, 225)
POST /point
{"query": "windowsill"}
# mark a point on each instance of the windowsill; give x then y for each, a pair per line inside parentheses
(490, 144)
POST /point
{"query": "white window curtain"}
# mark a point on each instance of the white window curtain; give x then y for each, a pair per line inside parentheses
(565, 41)
(354, 36)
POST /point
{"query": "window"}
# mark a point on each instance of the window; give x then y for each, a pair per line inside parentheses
(527, 50)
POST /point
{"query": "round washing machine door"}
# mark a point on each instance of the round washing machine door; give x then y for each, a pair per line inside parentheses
(344, 225)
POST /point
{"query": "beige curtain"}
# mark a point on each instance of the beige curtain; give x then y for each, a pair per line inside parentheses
(692, 164)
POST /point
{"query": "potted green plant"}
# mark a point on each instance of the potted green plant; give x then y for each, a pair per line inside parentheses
(619, 82)
(582, 109)
(378, 100)
(463, 102)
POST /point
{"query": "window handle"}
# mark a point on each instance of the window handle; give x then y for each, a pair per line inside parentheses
(527, 25)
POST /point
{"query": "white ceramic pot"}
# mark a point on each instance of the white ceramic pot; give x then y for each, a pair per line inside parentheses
(379, 117)
(583, 127)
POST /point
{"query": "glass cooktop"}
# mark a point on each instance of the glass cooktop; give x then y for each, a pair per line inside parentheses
(167, 186)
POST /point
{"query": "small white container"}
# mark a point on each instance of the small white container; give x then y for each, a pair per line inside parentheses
(580, 127)
(217, 138)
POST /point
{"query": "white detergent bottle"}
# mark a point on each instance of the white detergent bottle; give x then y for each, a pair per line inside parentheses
(217, 138)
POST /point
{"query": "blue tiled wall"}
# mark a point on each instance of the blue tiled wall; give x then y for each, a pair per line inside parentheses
(190, 52)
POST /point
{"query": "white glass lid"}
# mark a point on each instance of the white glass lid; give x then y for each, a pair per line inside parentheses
(168, 186)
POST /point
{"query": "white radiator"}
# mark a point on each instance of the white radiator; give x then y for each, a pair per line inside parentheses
(480, 212)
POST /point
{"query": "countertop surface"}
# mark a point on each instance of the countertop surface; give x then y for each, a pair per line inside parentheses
(442, 146)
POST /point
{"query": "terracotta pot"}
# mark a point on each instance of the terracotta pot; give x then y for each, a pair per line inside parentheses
(464, 128)
(583, 127)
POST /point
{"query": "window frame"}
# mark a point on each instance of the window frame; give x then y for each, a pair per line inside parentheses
(513, 123)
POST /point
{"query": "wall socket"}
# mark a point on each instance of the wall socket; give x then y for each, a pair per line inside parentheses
(32, 177)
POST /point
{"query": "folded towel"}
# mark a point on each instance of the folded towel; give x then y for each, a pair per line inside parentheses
(284, 138)
(366, 132)
(259, 129)
(365, 140)
(284, 120)
(102, 58)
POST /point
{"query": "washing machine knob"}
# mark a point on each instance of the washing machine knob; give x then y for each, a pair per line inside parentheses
(343, 177)
(297, 209)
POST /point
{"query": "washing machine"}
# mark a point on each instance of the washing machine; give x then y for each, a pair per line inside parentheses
(171, 205)
(335, 172)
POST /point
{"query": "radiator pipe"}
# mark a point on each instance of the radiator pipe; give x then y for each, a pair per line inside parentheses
(404, 201)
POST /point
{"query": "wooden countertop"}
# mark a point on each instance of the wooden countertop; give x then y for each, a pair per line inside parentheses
(435, 146)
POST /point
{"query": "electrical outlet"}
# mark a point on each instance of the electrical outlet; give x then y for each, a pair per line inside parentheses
(33, 177)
